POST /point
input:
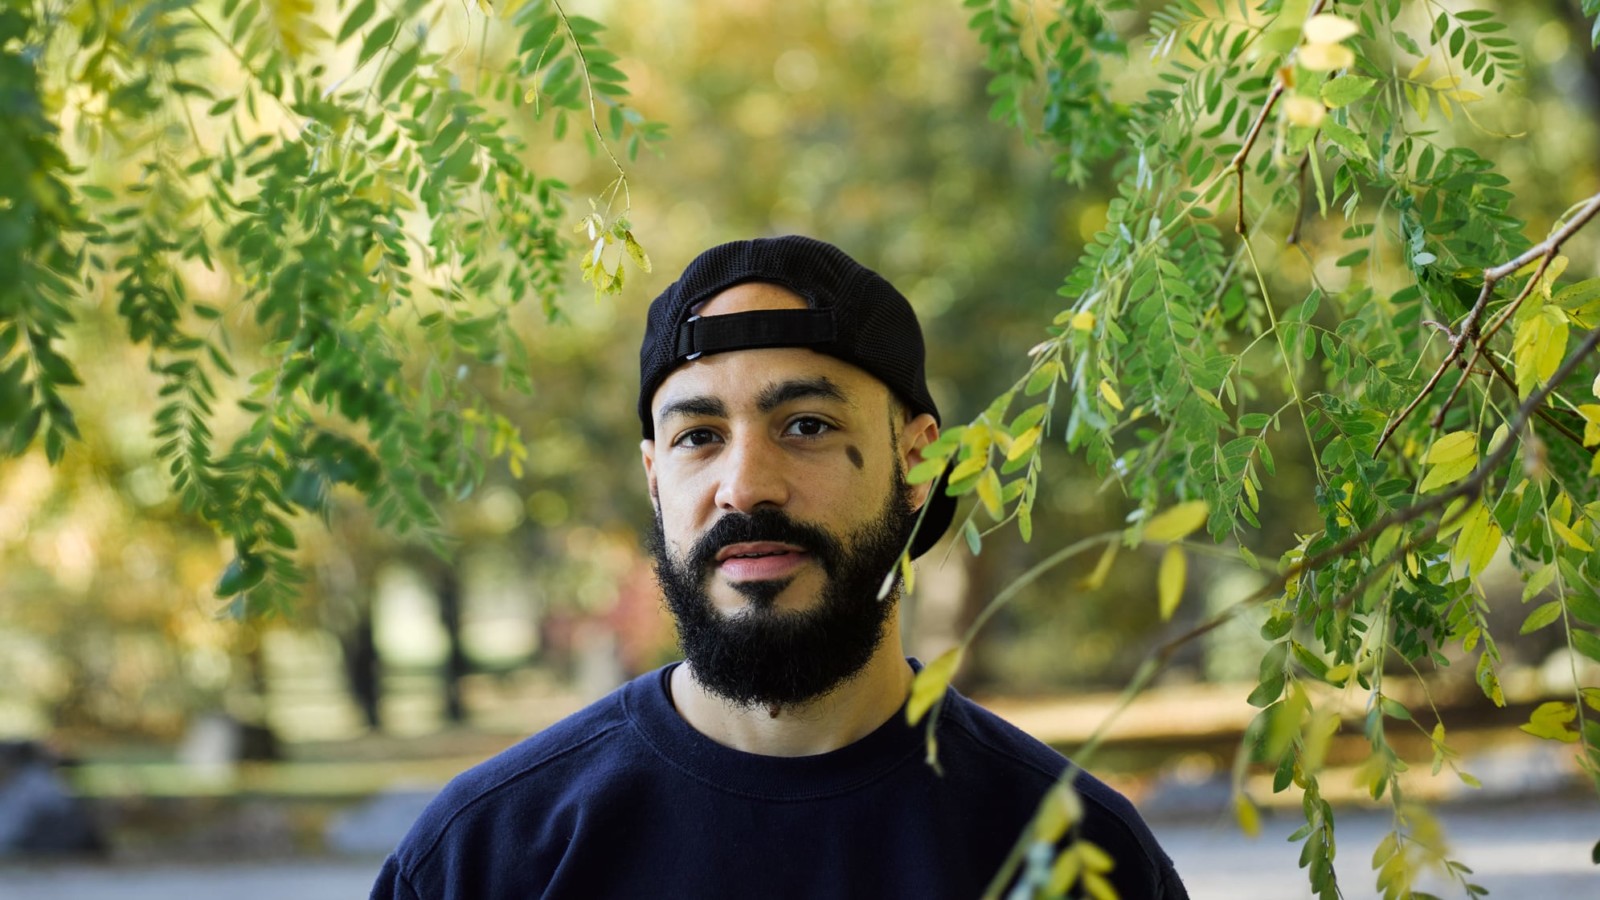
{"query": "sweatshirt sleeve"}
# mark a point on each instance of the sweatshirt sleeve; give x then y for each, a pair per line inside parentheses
(392, 883)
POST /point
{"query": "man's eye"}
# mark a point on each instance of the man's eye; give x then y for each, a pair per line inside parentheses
(809, 427)
(698, 437)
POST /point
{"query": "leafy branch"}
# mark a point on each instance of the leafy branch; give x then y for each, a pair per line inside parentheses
(1470, 332)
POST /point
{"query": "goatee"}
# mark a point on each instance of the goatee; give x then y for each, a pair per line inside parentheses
(764, 656)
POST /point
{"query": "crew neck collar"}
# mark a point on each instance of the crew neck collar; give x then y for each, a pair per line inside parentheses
(648, 705)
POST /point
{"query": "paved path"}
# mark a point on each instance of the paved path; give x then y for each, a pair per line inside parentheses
(1521, 852)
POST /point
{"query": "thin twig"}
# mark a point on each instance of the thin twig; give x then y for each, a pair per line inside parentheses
(594, 112)
(1469, 334)
(1236, 165)
(1469, 331)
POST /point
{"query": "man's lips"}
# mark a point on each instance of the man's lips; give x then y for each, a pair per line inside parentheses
(760, 560)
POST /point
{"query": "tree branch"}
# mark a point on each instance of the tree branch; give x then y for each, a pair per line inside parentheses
(1159, 657)
(1469, 331)
(1236, 165)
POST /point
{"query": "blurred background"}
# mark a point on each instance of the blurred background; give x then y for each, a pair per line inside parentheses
(188, 738)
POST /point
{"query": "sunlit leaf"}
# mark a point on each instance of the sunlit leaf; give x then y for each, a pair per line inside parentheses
(931, 683)
(1169, 580)
(1176, 522)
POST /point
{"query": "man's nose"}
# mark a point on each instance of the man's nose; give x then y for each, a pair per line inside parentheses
(753, 476)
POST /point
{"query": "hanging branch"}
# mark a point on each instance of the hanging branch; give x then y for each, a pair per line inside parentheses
(1470, 332)
(1236, 165)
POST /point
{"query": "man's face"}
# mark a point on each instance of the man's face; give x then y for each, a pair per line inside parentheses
(777, 476)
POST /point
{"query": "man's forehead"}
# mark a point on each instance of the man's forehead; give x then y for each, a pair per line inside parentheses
(764, 379)
(750, 296)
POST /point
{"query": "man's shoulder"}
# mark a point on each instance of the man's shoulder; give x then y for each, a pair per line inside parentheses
(1002, 741)
(1110, 819)
(548, 769)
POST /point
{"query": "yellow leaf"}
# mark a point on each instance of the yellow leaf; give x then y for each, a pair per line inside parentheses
(1453, 446)
(1065, 872)
(1247, 815)
(968, 468)
(930, 684)
(640, 258)
(1061, 810)
(1570, 536)
(1095, 579)
(1445, 81)
(989, 494)
(978, 437)
(1480, 536)
(1023, 444)
(1498, 438)
(1561, 508)
(1003, 440)
(1553, 348)
(1251, 496)
(1465, 97)
(1591, 423)
(908, 573)
(1083, 321)
(1098, 887)
(1595, 389)
(1304, 111)
(1169, 580)
(1418, 69)
(1449, 473)
(1094, 858)
(487, 6)
(1551, 273)
(1326, 57)
(1177, 522)
(1549, 720)
(1329, 29)
(1110, 394)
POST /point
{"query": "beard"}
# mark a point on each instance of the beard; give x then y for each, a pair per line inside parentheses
(765, 656)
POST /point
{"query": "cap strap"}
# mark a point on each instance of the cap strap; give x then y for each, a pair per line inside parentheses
(757, 328)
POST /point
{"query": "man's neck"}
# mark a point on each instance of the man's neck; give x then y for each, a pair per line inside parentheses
(841, 718)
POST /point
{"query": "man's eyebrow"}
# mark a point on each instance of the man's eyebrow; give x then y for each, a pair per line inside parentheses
(775, 395)
(694, 407)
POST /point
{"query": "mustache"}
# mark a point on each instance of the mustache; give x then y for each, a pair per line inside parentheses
(764, 525)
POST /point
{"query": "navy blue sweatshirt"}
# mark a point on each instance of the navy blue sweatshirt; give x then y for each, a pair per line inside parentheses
(626, 799)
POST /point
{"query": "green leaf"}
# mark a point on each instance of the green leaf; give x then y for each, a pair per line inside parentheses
(1586, 643)
(1353, 144)
(1538, 581)
(377, 39)
(358, 17)
(402, 66)
(242, 574)
(1541, 616)
(926, 471)
(1042, 377)
(1345, 90)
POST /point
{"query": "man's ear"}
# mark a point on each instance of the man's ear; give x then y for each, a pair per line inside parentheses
(915, 435)
(647, 453)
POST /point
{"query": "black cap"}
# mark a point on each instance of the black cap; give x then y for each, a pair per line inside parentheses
(854, 315)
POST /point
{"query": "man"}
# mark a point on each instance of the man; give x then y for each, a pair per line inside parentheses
(782, 400)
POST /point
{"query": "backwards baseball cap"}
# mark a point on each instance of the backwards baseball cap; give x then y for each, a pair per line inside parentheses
(853, 314)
